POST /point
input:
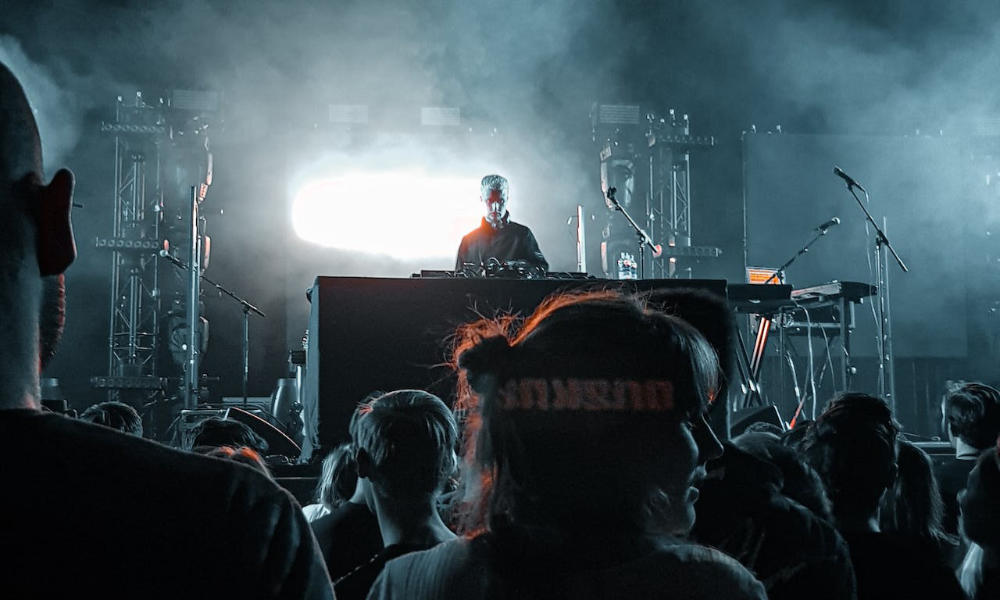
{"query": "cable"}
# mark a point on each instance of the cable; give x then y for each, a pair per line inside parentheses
(812, 373)
(869, 252)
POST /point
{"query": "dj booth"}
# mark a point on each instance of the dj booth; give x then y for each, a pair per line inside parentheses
(372, 334)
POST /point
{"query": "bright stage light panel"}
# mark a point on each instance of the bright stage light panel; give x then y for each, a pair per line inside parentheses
(406, 215)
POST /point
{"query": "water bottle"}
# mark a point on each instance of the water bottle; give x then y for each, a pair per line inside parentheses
(627, 268)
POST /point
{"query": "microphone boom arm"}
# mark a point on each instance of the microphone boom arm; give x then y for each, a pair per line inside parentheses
(780, 272)
(644, 238)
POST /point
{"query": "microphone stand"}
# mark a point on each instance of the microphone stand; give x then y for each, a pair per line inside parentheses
(644, 239)
(764, 326)
(885, 357)
(766, 320)
(780, 273)
(244, 304)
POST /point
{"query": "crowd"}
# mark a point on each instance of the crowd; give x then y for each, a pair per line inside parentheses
(586, 465)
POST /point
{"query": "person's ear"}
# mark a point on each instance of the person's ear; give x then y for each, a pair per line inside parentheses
(56, 247)
(366, 467)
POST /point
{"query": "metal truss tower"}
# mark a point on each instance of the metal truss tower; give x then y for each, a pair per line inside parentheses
(138, 129)
(650, 166)
(668, 203)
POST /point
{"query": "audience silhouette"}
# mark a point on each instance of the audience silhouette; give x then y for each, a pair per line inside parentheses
(852, 446)
(406, 449)
(980, 572)
(970, 415)
(116, 415)
(588, 449)
(588, 435)
(748, 509)
(90, 512)
(350, 535)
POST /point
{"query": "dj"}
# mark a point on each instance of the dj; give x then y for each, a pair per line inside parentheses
(497, 236)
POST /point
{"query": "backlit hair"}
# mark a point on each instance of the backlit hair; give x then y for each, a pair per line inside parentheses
(116, 415)
(913, 504)
(555, 456)
(410, 436)
(972, 413)
(242, 455)
(852, 446)
(338, 477)
(494, 182)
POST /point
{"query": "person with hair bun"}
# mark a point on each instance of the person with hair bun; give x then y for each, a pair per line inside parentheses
(588, 434)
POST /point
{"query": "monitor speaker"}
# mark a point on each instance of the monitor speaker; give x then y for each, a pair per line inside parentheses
(277, 441)
(742, 419)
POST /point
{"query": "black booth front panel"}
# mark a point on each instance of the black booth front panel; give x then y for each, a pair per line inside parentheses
(368, 334)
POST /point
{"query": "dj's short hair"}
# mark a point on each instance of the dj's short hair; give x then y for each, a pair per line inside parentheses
(494, 182)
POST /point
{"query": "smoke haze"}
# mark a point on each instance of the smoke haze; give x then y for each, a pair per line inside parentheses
(528, 70)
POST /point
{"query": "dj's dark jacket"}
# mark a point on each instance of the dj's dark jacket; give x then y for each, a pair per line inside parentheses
(513, 241)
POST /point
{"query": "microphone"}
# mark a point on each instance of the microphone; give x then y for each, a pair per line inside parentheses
(828, 224)
(850, 180)
(609, 198)
(164, 253)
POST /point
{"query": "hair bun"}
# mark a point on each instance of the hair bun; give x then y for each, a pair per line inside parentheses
(486, 355)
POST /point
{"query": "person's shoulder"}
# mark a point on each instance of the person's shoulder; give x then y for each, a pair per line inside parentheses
(901, 562)
(453, 568)
(159, 509)
(952, 472)
(800, 528)
(347, 514)
(460, 550)
(518, 227)
(717, 574)
(479, 231)
(695, 555)
(315, 511)
(113, 457)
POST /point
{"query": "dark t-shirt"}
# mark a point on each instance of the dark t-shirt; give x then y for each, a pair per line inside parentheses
(356, 584)
(348, 537)
(889, 565)
(951, 474)
(469, 570)
(793, 552)
(86, 511)
(511, 242)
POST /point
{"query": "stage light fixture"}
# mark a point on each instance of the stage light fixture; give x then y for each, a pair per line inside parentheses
(402, 214)
(348, 114)
(440, 116)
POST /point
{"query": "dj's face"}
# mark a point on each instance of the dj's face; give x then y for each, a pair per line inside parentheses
(495, 206)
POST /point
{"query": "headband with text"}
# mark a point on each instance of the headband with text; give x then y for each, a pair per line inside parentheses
(576, 394)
